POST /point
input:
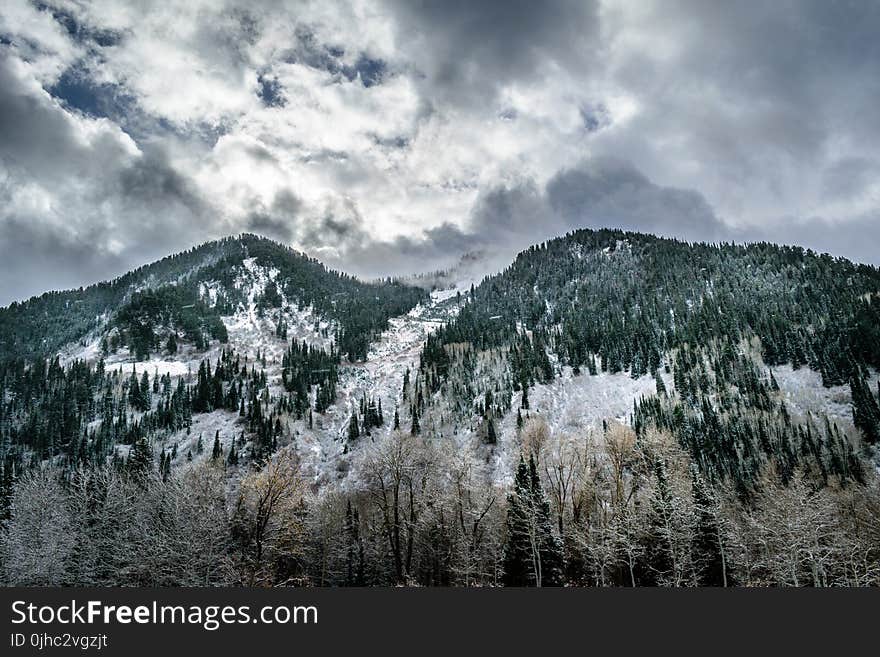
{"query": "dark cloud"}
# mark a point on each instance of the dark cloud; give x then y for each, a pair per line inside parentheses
(855, 239)
(605, 192)
(269, 226)
(752, 97)
(91, 197)
(467, 50)
(36, 258)
(756, 115)
(849, 177)
(598, 193)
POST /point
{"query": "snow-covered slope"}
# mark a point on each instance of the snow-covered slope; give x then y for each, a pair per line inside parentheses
(575, 405)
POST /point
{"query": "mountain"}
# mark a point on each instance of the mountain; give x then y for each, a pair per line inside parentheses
(188, 292)
(717, 316)
(611, 408)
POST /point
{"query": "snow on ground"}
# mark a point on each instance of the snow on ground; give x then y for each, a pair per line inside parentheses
(380, 377)
(572, 405)
(804, 392)
(159, 366)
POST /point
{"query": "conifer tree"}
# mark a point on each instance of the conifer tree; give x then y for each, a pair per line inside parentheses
(532, 554)
(708, 543)
(661, 386)
(217, 452)
(353, 430)
(491, 437)
(140, 458)
(865, 410)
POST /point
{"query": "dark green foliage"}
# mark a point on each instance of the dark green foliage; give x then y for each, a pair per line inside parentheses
(532, 553)
(491, 436)
(354, 431)
(415, 428)
(727, 415)
(709, 547)
(217, 452)
(865, 408)
(140, 459)
(304, 366)
(627, 298)
(153, 306)
(354, 549)
(153, 315)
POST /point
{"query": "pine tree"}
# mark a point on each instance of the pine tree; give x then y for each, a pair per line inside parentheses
(140, 458)
(354, 548)
(353, 430)
(491, 438)
(708, 541)
(217, 452)
(134, 390)
(661, 386)
(144, 398)
(865, 410)
(532, 554)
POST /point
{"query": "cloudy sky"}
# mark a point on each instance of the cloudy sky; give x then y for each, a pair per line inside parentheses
(391, 136)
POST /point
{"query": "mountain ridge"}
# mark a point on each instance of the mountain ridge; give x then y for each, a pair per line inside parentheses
(633, 392)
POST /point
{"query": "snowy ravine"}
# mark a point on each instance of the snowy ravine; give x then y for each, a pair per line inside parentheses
(380, 376)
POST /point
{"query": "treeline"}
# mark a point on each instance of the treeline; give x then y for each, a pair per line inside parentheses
(613, 509)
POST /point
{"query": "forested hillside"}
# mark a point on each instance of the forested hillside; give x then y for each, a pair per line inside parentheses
(620, 301)
(713, 315)
(612, 409)
(150, 303)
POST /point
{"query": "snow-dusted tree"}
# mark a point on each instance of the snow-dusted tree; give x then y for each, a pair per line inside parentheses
(397, 471)
(532, 553)
(39, 538)
(267, 523)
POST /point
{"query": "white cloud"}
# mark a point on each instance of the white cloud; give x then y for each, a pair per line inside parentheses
(406, 123)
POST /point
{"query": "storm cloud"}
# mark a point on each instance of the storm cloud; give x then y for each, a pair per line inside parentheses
(389, 137)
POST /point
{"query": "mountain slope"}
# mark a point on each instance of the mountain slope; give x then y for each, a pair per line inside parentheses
(648, 411)
(717, 318)
(173, 293)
